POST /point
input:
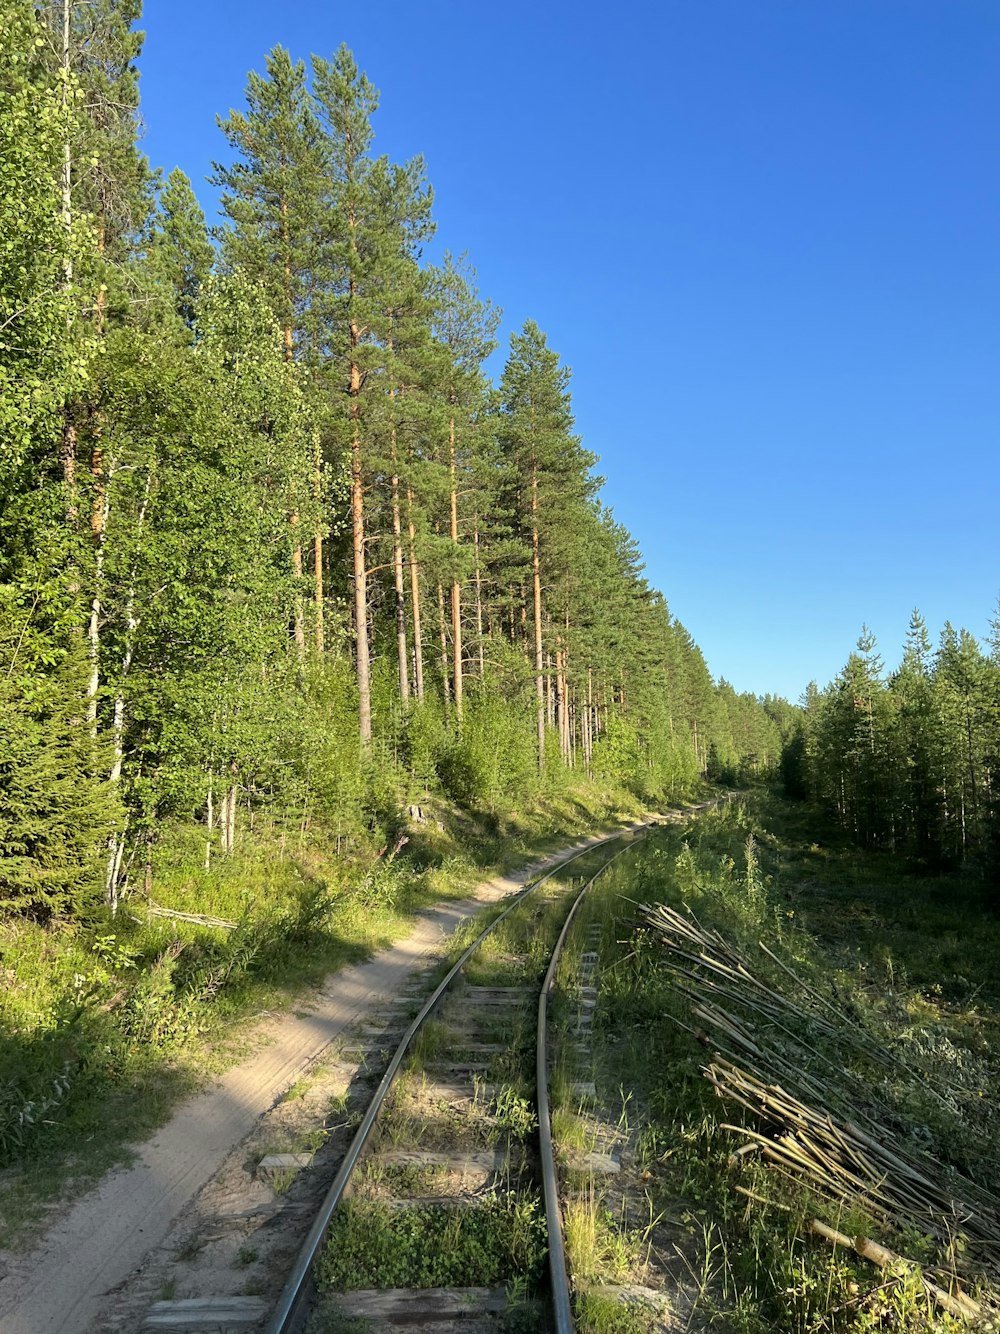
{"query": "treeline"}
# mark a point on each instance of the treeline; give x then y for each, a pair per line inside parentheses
(268, 534)
(908, 760)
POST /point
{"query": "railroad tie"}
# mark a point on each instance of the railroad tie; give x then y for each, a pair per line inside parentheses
(466, 1309)
(206, 1313)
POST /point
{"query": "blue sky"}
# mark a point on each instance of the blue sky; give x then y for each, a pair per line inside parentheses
(764, 235)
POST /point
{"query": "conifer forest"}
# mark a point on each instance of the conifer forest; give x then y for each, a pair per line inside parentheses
(271, 539)
(303, 611)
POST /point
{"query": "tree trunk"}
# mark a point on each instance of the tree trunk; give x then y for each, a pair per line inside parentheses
(588, 732)
(443, 631)
(228, 820)
(536, 582)
(456, 592)
(362, 657)
(98, 529)
(318, 543)
(397, 556)
(573, 729)
(418, 648)
(479, 608)
(113, 867)
(397, 572)
(66, 174)
(299, 613)
(562, 702)
(209, 824)
(67, 449)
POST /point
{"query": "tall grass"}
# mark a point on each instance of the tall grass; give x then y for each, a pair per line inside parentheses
(908, 958)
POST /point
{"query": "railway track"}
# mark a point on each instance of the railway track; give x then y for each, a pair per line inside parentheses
(444, 1209)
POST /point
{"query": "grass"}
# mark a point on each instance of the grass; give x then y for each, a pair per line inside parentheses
(910, 959)
(373, 1246)
(106, 1026)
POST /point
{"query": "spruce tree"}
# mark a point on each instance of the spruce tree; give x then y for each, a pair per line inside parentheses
(181, 254)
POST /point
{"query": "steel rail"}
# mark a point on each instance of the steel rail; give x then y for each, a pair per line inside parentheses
(559, 1276)
(292, 1304)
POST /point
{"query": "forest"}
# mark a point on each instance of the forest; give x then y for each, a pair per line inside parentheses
(905, 761)
(270, 539)
(312, 615)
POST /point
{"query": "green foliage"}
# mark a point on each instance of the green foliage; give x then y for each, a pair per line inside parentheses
(55, 820)
(39, 363)
(491, 764)
(370, 1245)
(908, 761)
(180, 253)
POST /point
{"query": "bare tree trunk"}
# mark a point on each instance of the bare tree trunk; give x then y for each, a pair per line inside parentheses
(228, 819)
(443, 631)
(588, 734)
(131, 624)
(572, 723)
(116, 843)
(231, 824)
(318, 544)
(479, 607)
(98, 529)
(536, 581)
(562, 702)
(456, 592)
(68, 443)
(397, 571)
(113, 867)
(300, 623)
(288, 340)
(66, 175)
(418, 647)
(209, 824)
(362, 657)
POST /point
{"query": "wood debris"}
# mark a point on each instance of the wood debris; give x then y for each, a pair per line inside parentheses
(805, 1076)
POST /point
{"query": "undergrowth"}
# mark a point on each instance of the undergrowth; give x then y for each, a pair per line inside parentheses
(106, 1023)
(907, 959)
(373, 1246)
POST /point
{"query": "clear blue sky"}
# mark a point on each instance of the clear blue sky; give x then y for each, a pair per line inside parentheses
(764, 235)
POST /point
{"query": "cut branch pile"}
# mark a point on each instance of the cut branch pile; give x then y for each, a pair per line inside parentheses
(804, 1074)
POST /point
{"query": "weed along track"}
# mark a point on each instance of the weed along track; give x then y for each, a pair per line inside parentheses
(443, 1209)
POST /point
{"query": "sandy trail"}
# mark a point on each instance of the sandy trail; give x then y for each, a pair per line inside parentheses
(62, 1285)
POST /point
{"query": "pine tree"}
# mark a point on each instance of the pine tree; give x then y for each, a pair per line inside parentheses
(273, 195)
(550, 464)
(376, 217)
(465, 327)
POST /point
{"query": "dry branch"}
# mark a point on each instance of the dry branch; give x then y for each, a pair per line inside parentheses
(956, 1303)
(813, 1116)
(198, 919)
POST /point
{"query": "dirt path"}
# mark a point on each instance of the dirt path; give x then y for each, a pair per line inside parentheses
(63, 1286)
